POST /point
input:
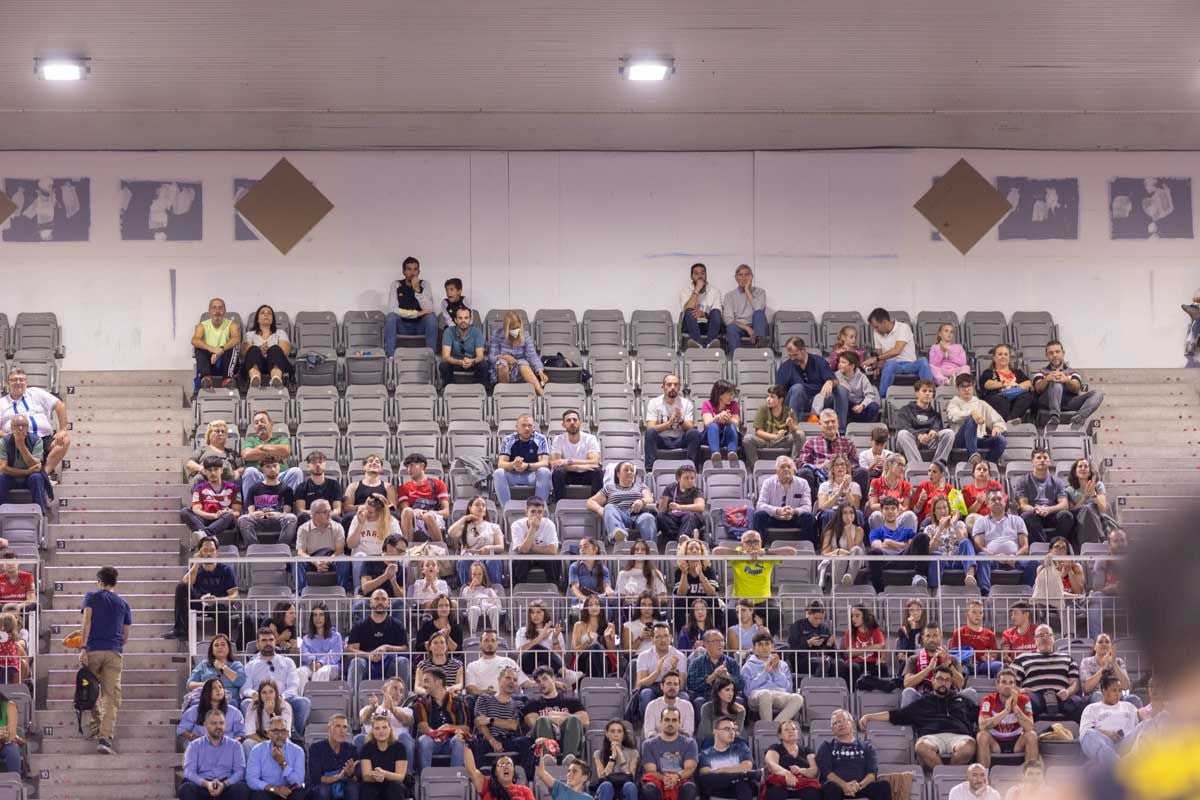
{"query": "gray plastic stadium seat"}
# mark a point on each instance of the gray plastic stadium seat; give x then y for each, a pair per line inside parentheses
(509, 401)
(413, 365)
(946, 777)
(753, 365)
(364, 438)
(419, 437)
(898, 397)
(363, 331)
(318, 408)
(11, 787)
(38, 331)
(918, 777)
(655, 329)
(368, 404)
(651, 365)
(464, 402)
(276, 402)
(269, 580)
(722, 485)
(927, 326)
(620, 442)
(833, 321)
(603, 327)
(892, 744)
(211, 404)
(796, 323)
(315, 436)
(469, 438)
(574, 522)
(23, 524)
(1067, 446)
(701, 369)
(612, 405)
(554, 329)
(796, 571)
(282, 321)
(823, 696)
(366, 370)
(39, 367)
(751, 397)
(610, 366)
(560, 397)
(6, 337)
(495, 318)
(356, 471)
(316, 332)
(413, 403)
(1030, 330)
(983, 330)
(443, 783)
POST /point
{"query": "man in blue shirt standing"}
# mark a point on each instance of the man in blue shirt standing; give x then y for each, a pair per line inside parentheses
(276, 766)
(463, 349)
(726, 767)
(805, 377)
(106, 622)
(214, 765)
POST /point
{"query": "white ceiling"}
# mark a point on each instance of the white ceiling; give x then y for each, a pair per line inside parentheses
(542, 74)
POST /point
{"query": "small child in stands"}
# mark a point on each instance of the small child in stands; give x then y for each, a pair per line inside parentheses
(453, 302)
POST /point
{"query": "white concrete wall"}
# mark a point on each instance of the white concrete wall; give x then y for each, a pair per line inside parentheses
(824, 230)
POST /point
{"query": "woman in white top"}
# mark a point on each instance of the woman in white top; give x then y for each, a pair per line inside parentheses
(258, 712)
(371, 525)
(427, 590)
(265, 348)
(475, 535)
(479, 599)
(540, 640)
(638, 633)
(841, 489)
(640, 575)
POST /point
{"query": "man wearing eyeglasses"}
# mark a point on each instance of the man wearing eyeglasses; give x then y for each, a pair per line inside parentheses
(707, 668)
(276, 766)
(727, 767)
(1044, 673)
(282, 670)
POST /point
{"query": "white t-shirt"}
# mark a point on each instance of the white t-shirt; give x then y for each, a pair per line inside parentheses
(484, 673)
(963, 792)
(632, 582)
(546, 534)
(866, 458)
(482, 534)
(647, 660)
(371, 543)
(687, 719)
(901, 332)
(256, 339)
(1000, 536)
(710, 299)
(658, 411)
(549, 643)
(1121, 716)
(37, 404)
(579, 450)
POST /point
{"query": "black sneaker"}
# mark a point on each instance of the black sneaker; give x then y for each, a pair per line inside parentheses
(172, 634)
(105, 746)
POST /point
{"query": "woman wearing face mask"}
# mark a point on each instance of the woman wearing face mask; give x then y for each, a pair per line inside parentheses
(513, 356)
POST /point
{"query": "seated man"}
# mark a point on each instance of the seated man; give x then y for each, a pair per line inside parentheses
(805, 378)
(655, 663)
(847, 764)
(785, 501)
(443, 721)
(725, 767)
(1002, 534)
(1106, 582)
(556, 715)
(808, 637)
(713, 664)
(276, 767)
(978, 428)
(1006, 722)
(894, 540)
(680, 508)
(424, 503)
(673, 699)
(819, 452)
(1104, 726)
(1049, 676)
(281, 669)
(769, 684)
(378, 642)
(919, 427)
(533, 534)
(524, 460)
(37, 405)
(215, 342)
(670, 423)
(383, 574)
(268, 508)
(1060, 389)
(318, 486)
(918, 669)
(463, 350)
(985, 650)
(483, 674)
(669, 760)
(774, 426)
(943, 722)
(498, 722)
(575, 457)
(1019, 638)
(18, 588)
(452, 302)
(260, 443)
(216, 505)
(319, 538)
(873, 459)
(975, 787)
(210, 587)
(1042, 498)
(410, 309)
(744, 311)
(214, 765)
(701, 316)
(896, 353)
(332, 762)
(21, 463)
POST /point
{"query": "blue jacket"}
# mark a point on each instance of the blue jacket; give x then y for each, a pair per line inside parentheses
(814, 375)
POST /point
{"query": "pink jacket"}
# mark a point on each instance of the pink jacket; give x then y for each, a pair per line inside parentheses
(946, 366)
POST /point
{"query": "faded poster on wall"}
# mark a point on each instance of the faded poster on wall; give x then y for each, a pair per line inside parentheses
(1150, 208)
(242, 232)
(48, 210)
(162, 211)
(1042, 208)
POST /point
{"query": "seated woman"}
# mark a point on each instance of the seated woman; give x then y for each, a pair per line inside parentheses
(513, 356)
(1070, 573)
(863, 642)
(908, 637)
(371, 483)
(723, 704)
(371, 526)
(722, 419)
(589, 576)
(614, 764)
(216, 443)
(840, 490)
(694, 578)
(891, 484)
(625, 505)
(283, 622)
(473, 534)
(935, 486)
(321, 648)
(221, 663)
(1006, 388)
(1104, 659)
(215, 344)
(975, 492)
(442, 621)
(212, 695)
(437, 654)
(1089, 503)
(790, 768)
(540, 640)
(640, 576)
(265, 348)
(846, 342)
(480, 600)
(259, 711)
(14, 654)
(593, 639)
(383, 763)
(948, 536)
(638, 633)
(841, 537)
(860, 403)
(739, 637)
(947, 359)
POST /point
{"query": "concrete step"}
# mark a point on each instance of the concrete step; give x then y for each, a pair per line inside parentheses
(118, 404)
(162, 746)
(1148, 516)
(1122, 486)
(106, 477)
(1150, 400)
(66, 600)
(162, 391)
(151, 644)
(1140, 376)
(163, 586)
(164, 682)
(121, 490)
(116, 377)
(60, 573)
(1181, 465)
(106, 778)
(1145, 451)
(1121, 415)
(97, 544)
(161, 693)
(133, 519)
(120, 439)
(1148, 389)
(136, 663)
(127, 704)
(1156, 435)
(1172, 480)
(118, 530)
(143, 447)
(1134, 502)
(120, 503)
(61, 718)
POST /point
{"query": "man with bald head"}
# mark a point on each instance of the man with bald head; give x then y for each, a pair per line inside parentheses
(215, 342)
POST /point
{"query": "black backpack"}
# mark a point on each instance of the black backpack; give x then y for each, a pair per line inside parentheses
(87, 692)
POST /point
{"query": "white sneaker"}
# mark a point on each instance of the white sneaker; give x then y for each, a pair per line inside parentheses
(919, 580)
(847, 579)
(620, 535)
(970, 581)
(572, 676)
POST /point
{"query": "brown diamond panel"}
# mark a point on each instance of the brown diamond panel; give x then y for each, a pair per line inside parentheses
(7, 207)
(284, 206)
(963, 206)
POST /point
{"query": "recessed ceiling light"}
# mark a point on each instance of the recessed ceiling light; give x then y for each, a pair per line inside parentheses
(646, 69)
(62, 69)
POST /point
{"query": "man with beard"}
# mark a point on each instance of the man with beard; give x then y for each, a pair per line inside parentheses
(282, 670)
(380, 640)
(943, 721)
(575, 458)
(919, 668)
(670, 423)
(669, 761)
(483, 674)
(1006, 722)
(498, 723)
(214, 765)
(1061, 389)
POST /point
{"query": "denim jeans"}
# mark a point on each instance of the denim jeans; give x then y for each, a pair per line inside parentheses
(426, 326)
(691, 326)
(967, 438)
(35, 482)
(966, 550)
(892, 368)
(689, 440)
(292, 478)
(734, 334)
(721, 437)
(645, 523)
(427, 748)
(504, 480)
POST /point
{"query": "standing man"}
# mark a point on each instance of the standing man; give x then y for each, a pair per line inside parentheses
(1060, 389)
(21, 463)
(896, 352)
(806, 378)
(701, 317)
(575, 458)
(410, 303)
(37, 405)
(215, 344)
(106, 623)
(463, 350)
(524, 460)
(745, 311)
(670, 423)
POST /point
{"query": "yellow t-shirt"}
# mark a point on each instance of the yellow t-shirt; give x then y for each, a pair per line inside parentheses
(214, 336)
(752, 579)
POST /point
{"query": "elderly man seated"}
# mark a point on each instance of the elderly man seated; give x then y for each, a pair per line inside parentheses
(785, 501)
(37, 405)
(260, 443)
(21, 463)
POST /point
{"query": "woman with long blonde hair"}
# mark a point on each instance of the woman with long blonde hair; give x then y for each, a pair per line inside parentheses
(513, 356)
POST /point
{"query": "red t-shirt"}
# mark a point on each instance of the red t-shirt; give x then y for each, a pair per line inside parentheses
(515, 791)
(1010, 728)
(980, 641)
(876, 638)
(1019, 642)
(15, 592)
(427, 496)
(902, 491)
(972, 493)
(931, 494)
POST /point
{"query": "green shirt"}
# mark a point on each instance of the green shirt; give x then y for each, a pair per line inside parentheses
(764, 420)
(254, 441)
(35, 451)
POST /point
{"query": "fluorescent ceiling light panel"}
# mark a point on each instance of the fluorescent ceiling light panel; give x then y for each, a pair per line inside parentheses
(61, 69)
(647, 69)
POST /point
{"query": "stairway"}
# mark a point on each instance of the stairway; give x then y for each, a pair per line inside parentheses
(1148, 442)
(118, 505)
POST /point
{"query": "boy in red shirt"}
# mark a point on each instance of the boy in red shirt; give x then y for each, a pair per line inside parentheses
(986, 657)
(1019, 638)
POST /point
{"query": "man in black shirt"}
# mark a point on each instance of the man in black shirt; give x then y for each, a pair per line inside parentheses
(332, 761)
(208, 587)
(268, 508)
(318, 487)
(556, 716)
(943, 720)
(384, 574)
(848, 765)
(381, 640)
(811, 634)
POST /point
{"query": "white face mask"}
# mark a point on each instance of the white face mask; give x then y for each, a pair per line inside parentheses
(514, 333)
